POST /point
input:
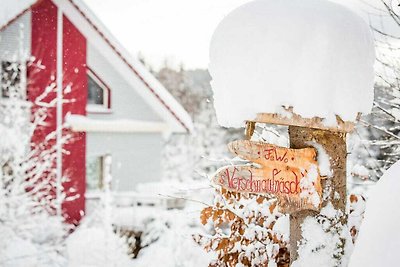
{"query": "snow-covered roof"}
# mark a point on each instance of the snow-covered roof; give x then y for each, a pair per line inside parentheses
(132, 69)
(80, 123)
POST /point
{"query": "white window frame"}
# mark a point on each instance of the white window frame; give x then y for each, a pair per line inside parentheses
(106, 106)
(104, 169)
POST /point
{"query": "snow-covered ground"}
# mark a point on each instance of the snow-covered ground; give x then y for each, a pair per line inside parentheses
(166, 235)
(171, 232)
(379, 236)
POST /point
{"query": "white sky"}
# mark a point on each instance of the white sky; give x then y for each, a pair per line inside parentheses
(177, 30)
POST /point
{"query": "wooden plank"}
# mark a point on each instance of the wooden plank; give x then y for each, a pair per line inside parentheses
(293, 119)
(280, 172)
(265, 154)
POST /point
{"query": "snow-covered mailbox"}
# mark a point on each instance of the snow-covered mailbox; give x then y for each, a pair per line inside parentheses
(306, 64)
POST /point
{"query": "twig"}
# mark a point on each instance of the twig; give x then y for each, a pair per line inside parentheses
(187, 199)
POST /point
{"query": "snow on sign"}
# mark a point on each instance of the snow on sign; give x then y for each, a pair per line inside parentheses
(289, 174)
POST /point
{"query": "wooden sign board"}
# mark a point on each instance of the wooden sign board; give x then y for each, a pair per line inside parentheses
(282, 172)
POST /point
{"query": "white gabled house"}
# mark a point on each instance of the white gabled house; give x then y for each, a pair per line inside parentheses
(112, 104)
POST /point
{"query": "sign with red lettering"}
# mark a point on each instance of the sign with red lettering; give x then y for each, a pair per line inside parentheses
(289, 174)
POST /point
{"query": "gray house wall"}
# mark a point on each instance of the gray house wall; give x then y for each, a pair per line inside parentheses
(136, 157)
(125, 102)
(15, 39)
(15, 46)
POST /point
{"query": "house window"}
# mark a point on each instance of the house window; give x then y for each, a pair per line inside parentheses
(97, 168)
(11, 74)
(98, 93)
(94, 173)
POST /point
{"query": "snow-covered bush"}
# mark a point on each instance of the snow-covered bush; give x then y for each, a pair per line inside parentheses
(167, 242)
(97, 245)
(95, 242)
(248, 230)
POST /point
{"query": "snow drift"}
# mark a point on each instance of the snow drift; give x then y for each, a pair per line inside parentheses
(379, 237)
(314, 55)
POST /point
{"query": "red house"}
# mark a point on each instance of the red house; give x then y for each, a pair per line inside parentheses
(112, 104)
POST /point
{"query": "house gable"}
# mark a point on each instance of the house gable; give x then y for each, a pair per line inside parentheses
(139, 78)
(125, 102)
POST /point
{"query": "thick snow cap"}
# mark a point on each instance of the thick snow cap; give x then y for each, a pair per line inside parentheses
(313, 55)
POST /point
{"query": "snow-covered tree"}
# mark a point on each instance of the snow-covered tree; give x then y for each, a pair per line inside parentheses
(376, 141)
(184, 87)
(246, 231)
(32, 232)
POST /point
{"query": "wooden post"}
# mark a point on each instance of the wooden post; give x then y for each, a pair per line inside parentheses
(334, 143)
(250, 127)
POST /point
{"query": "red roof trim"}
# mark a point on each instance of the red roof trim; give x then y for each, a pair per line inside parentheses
(129, 65)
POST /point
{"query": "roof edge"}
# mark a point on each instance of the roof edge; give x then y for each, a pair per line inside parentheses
(149, 81)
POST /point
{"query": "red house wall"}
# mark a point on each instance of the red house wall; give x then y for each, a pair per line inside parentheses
(75, 77)
(41, 74)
